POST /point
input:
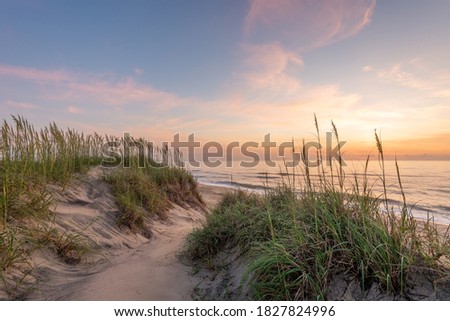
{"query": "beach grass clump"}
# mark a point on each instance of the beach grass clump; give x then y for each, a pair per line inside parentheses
(137, 196)
(14, 261)
(70, 247)
(32, 159)
(325, 238)
(33, 165)
(234, 222)
(12, 251)
(177, 184)
(143, 192)
(300, 238)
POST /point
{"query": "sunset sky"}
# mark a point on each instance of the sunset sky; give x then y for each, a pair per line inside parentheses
(233, 70)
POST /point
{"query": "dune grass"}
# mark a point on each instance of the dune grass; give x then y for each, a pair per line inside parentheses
(150, 192)
(36, 164)
(70, 247)
(300, 237)
(11, 249)
(30, 162)
(32, 159)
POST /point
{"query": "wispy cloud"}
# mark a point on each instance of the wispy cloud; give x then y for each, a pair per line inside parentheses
(404, 78)
(19, 105)
(276, 33)
(72, 87)
(33, 74)
(414, 74)
(305, 24)
(367, 68)
(116, 93)
(265, 67)
(75, 110)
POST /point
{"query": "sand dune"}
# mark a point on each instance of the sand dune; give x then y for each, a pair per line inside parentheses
(124, 265)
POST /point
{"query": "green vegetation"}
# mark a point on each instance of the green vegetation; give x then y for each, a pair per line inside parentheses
(31, 159)
(143, 192)
(70, 247)
(33, 164)
(11, 249)
(298, 242)
(36, 165)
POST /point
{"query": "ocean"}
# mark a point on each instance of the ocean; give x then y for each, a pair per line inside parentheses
(425, 183)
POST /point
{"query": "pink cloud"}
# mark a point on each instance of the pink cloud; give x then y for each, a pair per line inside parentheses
(277, 31)
(306, 24)
(415, 75)
(395, 73)
(75, 110)
(19, 105)
(265, 67)
(54, 76)
(118, 93)
(87, 87)
(368, 68)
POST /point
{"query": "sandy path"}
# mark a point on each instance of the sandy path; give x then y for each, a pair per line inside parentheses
(149, 272)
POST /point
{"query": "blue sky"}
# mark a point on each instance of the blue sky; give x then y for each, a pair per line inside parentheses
(232, 70)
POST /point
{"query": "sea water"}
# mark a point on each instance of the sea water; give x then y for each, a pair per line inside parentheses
(426, 183)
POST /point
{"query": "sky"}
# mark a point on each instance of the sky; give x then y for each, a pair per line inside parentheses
(233, 70)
